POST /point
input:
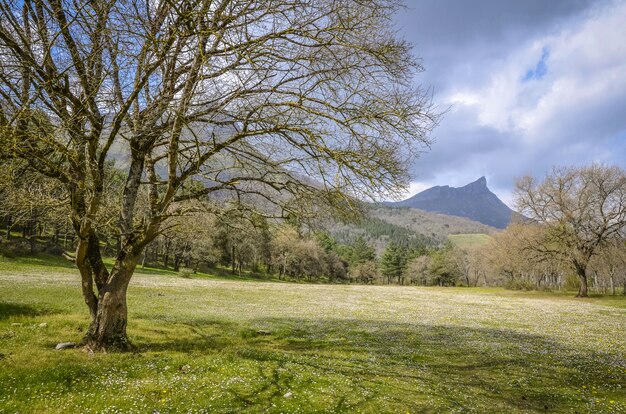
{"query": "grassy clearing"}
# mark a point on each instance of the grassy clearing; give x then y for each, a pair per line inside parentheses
(469, 240)
(222, 346)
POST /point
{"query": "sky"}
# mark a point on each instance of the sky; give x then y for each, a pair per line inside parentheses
(526, 85)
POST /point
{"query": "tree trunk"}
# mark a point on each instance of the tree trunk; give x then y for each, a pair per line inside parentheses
(107, 331)
(107, 307)
(581, 270)
(583, 290)
(65, 237)
(612, 279)
(33, 237)
(166, 255)
(232, 258)
(177, 259)
(9, 227)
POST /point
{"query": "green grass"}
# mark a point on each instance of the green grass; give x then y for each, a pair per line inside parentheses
(469, 240)
(224, 346)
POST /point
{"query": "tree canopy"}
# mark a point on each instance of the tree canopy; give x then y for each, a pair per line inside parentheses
(278, 104)
(584, 209)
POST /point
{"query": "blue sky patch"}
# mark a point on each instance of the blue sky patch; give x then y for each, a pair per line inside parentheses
(540, 69)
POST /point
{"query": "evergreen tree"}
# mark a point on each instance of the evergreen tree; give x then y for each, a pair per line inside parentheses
(361, 252)
(326, 241)
(394, 262)
(443, 266)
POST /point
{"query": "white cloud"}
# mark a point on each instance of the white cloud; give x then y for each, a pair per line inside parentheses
(504, 126)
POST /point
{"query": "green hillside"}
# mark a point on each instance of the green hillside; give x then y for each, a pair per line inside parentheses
(469, 240)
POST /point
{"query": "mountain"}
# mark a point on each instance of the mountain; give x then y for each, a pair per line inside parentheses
(474, 201)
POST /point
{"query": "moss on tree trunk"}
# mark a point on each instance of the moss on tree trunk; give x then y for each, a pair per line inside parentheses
(107, 331)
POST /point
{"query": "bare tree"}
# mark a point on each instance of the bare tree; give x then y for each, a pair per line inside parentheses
(583, 208)
(526, 256)
(269, 98)
(31, 201)
(476, 264)
(609, 265)
(418, 271)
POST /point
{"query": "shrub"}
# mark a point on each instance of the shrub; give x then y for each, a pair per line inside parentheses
(520, 284)
(186, 273)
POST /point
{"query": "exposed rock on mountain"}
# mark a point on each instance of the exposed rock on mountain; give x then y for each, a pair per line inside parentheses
(474, 201)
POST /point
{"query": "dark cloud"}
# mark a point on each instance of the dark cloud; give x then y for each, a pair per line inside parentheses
(451, 35)
(463, 21)
(530, 84)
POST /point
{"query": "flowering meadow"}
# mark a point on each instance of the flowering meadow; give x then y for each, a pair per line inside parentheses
(209, 345)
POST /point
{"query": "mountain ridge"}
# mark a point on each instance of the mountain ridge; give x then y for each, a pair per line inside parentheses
(473, 201)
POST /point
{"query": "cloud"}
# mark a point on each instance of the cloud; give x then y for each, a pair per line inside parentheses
(530, 85)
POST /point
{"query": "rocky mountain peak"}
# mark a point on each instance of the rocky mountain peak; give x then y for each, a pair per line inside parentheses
(481, 182)
(474, 201)
(478, 186)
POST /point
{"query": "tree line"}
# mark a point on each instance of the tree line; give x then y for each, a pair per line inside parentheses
(530, 254)
(35, 219)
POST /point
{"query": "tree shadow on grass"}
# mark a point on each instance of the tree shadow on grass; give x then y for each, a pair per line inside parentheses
(371, 365)
(43, 259)
(199, 335)
(8, 310)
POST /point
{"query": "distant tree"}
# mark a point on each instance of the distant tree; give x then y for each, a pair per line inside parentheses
(461, 261)
(361, 252)
(326, 241)
(32, 202)
(445, 267)
(262, 242)
(365, 272)
(526, 257)
(584, 209)
(243, 240)
(477, 257)
(301, 257)
(393, 263)
(609, 265)
(418, 270)
(283, 254)
(337, 266)
(191, 240)
(259, 100)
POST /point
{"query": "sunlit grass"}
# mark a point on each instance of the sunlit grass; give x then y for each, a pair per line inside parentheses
(469, 240)
(236, 346)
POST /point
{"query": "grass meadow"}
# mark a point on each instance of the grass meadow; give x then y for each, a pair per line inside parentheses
(469, 240)
(209, 345)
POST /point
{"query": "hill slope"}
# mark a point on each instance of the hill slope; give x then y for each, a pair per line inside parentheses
(430, 224)
(383, 224)
(474, 201)
(465, 241)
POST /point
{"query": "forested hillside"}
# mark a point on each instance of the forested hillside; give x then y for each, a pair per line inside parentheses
(434, 225)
